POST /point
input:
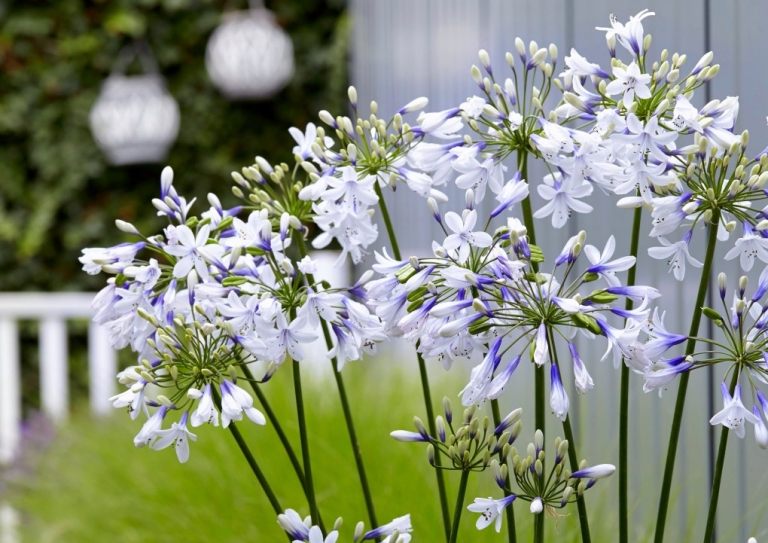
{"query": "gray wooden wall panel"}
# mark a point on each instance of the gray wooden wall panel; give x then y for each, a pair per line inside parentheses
(403, 49)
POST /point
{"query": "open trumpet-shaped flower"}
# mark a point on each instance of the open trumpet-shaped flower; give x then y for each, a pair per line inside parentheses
(490, 511)
(733, 415)
(463, 236)
(630, 83)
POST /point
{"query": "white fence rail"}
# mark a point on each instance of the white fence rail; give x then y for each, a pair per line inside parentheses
(52, 311)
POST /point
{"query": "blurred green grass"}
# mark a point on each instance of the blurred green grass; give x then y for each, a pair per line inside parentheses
(92, 484)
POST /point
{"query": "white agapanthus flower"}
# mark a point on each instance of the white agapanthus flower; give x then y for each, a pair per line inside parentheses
(490, 511)
(563, 195)
(630, 82)
(464, 236)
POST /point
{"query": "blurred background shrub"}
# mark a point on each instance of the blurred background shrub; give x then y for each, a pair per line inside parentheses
(53, 59)
(57, 192)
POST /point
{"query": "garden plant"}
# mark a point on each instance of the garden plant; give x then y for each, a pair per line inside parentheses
(219, 301)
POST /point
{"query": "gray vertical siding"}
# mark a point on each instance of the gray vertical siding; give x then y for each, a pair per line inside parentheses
(407, 48)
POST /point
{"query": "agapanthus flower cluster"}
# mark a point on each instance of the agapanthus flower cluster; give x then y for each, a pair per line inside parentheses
(482, 292)
(467, 444)
(301, 530)
(349, 172)
(369, 154)
(209, 300)
(633, 131)
(544, 487)
(502, 119)
(743, 348)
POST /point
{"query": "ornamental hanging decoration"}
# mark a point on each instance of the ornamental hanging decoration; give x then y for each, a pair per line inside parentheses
(135, 120)
(249, 56)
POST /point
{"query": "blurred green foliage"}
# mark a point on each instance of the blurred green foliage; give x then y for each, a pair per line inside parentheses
(92, 483)
(57, 194)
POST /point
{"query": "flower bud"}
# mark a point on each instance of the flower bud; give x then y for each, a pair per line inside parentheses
(647, 42)
(447, 409)
(359, 529)
(327, 118)
(520, 46)
(477, 76)
(352, 94)
(553, 51)
(539, 57)
(415, 105)
(630, 202)
(485, 59)
(743, 280)
(595, 472)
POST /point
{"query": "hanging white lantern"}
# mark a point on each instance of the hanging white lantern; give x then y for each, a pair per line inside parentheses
(249, 55)
(135, 119)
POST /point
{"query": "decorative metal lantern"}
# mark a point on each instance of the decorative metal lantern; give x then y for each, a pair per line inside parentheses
(135, 119)
(249, 55)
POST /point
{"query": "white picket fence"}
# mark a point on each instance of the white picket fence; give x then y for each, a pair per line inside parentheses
(52, 311)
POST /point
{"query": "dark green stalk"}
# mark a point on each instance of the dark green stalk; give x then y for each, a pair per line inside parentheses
(459, 506)
(623, 454)
(538, 528)
(721, 450)
(306, 457)
(388, 223)
(677, 418)
(510, 512)
(425, 390)
(624, 399)
(354, 442)
(539, 376)
(346, 410)
(522, 167)
(422, 373)
(275, 422)
(249, 458)
(572, 456)
(574, 461)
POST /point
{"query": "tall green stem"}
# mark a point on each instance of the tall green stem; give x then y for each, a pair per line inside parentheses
(346, 409)
(721, 450)
(509, 511)
(304, 436)
(353, 439)
(459, 506)
(539, 376)
(581, 505)
(624, 399)
(538, 528)
(422, 373)
(573, 457)
(522, 168)
(677, 418)
(249, 458)
(274, 420)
